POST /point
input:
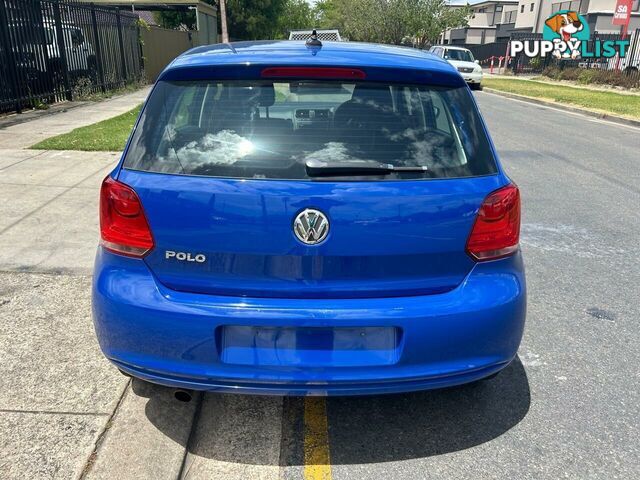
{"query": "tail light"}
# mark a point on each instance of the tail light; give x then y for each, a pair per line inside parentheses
(496, 231)
(314, 72)
(123, 226)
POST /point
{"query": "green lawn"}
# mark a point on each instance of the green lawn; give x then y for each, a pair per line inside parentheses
(106, 136)
(605, 102)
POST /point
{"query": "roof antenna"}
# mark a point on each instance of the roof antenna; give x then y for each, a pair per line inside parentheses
(313, 41)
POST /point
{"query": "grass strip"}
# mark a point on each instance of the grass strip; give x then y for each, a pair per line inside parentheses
(597, 101)
(107, 136)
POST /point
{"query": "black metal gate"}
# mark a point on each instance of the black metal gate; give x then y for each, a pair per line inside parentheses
(485, 51)
(54, 50)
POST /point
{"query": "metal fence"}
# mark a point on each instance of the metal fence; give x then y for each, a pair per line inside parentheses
(485, 51)
(160, 46)
(53, 50)
(629, 66)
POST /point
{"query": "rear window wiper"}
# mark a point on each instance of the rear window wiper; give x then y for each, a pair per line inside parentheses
(318, 168)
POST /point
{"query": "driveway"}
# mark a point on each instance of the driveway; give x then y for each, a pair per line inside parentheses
(568, 407)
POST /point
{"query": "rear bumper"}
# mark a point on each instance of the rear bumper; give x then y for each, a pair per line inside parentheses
(173, 338)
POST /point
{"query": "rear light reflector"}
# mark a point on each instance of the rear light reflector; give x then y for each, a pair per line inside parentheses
(123, 227)
(314, 72)
(496, 231)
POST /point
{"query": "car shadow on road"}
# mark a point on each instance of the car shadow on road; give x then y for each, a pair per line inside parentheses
(368, 429)
(417, 425)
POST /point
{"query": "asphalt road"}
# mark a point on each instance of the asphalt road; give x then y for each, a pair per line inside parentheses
(568, 407)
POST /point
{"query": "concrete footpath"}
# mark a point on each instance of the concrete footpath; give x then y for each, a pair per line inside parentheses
(65, 412)
(23, 135)
(57, 393)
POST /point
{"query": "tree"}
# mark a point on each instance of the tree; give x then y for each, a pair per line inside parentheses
(254, 19)
(390, 21)
(437, 18)
(178, 19)
(246, 19)
(297, 15)
(330, 14)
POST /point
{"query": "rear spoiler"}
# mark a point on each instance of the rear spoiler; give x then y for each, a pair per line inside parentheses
(439, 73)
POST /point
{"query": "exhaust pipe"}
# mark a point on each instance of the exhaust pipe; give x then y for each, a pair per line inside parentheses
(182, 396)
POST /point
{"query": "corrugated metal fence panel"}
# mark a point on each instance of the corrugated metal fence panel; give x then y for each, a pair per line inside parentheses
(51, 50)
(161, 46)
(208, 33)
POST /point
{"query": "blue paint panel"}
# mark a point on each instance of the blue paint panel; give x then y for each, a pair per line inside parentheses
(386, 239)
(169, 337)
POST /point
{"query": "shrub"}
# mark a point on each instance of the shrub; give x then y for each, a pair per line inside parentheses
(570, 74)
(551, 72)
(535, 62)
(584, 76)
(617, 79)
(82, 89)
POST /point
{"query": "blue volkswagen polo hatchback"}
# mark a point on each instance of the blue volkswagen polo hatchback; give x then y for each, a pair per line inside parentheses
(308, 219)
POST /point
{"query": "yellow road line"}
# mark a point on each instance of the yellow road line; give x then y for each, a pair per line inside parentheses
(317, 464)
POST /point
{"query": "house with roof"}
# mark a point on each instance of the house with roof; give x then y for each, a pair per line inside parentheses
(495, 20)
(491, 21)
(598, 14)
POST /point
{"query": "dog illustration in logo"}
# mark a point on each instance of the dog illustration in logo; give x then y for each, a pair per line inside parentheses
(566, 25)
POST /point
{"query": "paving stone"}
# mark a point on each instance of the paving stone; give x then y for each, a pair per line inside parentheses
(147, 437)
(237, 436)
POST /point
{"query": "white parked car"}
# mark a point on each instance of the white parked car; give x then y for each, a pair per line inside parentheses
(463, 60)
(39, 53)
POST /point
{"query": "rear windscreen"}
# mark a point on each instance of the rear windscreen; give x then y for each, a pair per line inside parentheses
(265, 129)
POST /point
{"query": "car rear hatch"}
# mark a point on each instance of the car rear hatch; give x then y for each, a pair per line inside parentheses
(223, 169)
(385, 239)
